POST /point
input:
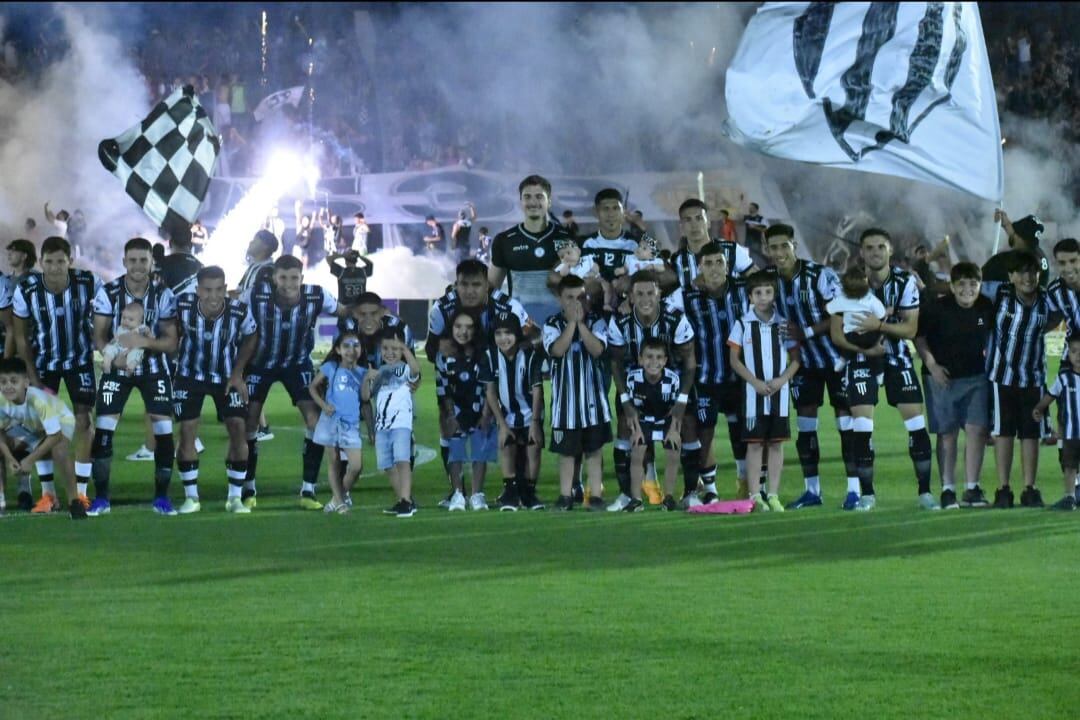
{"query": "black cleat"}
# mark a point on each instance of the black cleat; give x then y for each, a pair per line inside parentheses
(975, 498)
(635, 505)
(1066, 503)
(404, 508)
(596, 504)
(564, 504)
(709, 497)
(1003, 498)
(1031, 497)
(509, 499)
(577, 493)
(77, 510)
(948, 500)
(530, 501)
(669, 504)
(25, 501)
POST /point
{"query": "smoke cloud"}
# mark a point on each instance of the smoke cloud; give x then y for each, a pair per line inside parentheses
(51, 130)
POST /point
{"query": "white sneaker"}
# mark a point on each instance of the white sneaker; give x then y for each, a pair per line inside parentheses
(263, 435)
(620, 502)
(191, 505)
(236, 505)
(690, 500)
(477, 501)
(927, 501)
(199, 447)
(866, 503)
(141, 454)
(457, 502)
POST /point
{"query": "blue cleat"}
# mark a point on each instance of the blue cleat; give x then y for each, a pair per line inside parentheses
(162, 506)
(100, 506)
(807, 499)
(851, 501)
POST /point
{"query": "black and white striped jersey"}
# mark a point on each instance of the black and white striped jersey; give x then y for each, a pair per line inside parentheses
(1066, 389)
(712, 319)
(459, 378)
(514, 378)
(256, 274)
(579, 397)
(626, 333)
(765, 355)
(1017, 353)
(1067, 302)
(498, 307)
(609, 254)
(208, 346)
(898, 293)
(685, 262)
(653, 400)
(159, 305)
(802, 300)
(61, 324)
(287, 333)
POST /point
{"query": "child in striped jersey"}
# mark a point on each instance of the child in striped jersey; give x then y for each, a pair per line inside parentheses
(515, 396)
(338, 427)
(1066, 391)
(763, 357)
(391, 388)
(464, 412)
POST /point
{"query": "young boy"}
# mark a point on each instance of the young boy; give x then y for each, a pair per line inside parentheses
(655, 392)
(1066, 390)
(766, 362)
(37, 425)
(1016, 366)
(580, 417)
(391, 387)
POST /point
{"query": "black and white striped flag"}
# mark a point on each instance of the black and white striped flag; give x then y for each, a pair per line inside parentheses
(886, 87)
(167, 160)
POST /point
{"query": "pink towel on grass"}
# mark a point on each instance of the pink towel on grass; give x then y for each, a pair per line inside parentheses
(725, 507)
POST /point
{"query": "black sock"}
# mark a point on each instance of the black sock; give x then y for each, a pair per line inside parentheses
(864, 460)
(164, 452)
(921, 453)
(313, 454)
(847, 452)
(253, 458)
(101, 452)
(690, 460)
(622, 469)
(738, 446)
(806, 444)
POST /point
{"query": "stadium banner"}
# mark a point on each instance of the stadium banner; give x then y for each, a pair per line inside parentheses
(408, 197)
(275, 101)
(894, 88)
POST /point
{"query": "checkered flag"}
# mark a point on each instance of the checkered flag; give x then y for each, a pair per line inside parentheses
(166, 161)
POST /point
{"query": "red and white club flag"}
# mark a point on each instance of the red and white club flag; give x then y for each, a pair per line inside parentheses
(885, 87)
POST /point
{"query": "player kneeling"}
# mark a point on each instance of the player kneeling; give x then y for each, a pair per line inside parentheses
(37, 426)
(654, 390)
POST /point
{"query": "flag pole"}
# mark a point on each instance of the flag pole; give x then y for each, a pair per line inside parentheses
(701, 186)
(997, 231)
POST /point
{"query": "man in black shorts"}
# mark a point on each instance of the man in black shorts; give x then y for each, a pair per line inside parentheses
(285, 313)
(151, 377)
(217, 338)
(56, 306)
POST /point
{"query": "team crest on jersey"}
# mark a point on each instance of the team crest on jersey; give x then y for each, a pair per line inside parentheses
(539, 252)
(286, 325)
(59, 312)
(208, 336)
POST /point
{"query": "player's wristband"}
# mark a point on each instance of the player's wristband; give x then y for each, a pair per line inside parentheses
(624, 398)
(809, 333)
(682, 398)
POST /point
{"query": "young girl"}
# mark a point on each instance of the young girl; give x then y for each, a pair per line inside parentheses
(339, 423)
(515, 398)
(131, 321)
(391, 387)
(468, 420)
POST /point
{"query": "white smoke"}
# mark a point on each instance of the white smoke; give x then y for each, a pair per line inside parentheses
(51, 130)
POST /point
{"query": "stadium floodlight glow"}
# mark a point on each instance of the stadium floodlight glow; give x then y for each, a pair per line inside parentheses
(226, 246)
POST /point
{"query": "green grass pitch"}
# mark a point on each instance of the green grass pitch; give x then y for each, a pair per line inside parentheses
(897, 613)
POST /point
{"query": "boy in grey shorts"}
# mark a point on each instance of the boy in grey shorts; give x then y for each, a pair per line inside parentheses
(951, 339)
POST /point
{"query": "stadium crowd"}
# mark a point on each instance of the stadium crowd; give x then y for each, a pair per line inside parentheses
(688, 339)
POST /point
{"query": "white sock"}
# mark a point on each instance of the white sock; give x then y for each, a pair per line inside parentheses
(813, 484)
(950, 486)
(48, 487)
(740, 469)
(191, 491)
(234, 491)
(307, 488)
(710, 488)
(853, 485)
(80, 488)
(971, 486)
